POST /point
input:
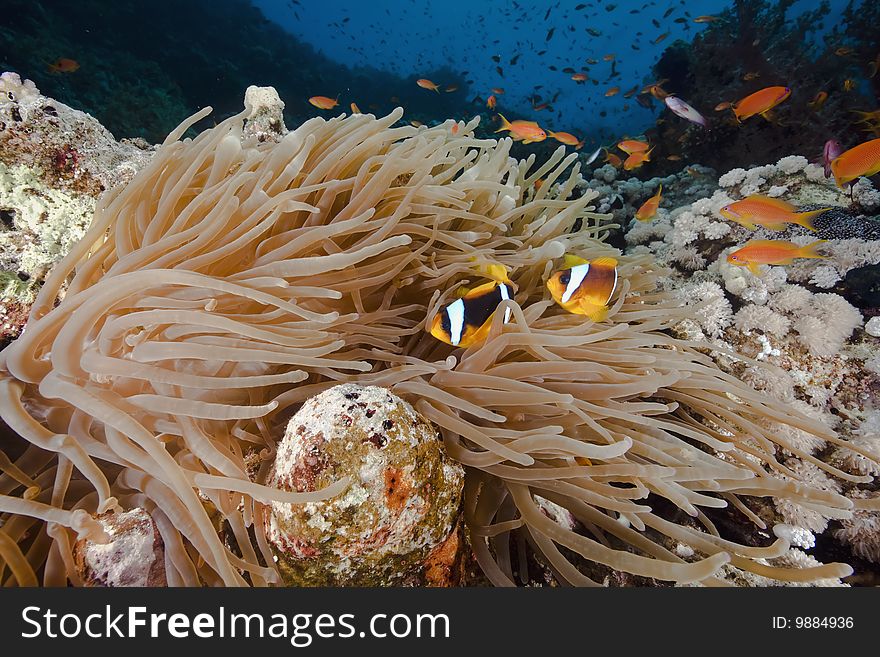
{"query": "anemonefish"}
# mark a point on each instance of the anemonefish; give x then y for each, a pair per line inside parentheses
(466, 321)
(585, 287)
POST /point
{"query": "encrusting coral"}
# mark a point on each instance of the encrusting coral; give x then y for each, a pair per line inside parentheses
(236, 277)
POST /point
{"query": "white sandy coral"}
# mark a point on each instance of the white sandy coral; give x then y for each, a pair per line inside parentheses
(714, 312)
(866, 437)
(862, 531)
(752, 317)
(14, 89)
(800, 515)
(830, 322)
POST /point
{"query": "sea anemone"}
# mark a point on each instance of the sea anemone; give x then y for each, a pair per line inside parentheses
(232, 279)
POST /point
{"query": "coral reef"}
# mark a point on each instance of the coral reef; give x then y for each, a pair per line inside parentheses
(756, 44)
(798, 319)
(245, 271)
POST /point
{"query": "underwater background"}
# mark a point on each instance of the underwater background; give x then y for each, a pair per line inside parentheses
(731, 149)
(141, 67)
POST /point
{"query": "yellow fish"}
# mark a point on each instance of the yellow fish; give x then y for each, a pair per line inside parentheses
(467, 320)
(585, 287)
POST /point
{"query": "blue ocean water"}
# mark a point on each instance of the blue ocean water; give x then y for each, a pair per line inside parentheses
(527, 39)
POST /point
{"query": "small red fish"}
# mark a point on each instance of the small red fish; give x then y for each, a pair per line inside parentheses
(64, 65)
(525, 131)
(324, 102)
(649, 208)
(491, 102)
(425, 83)
(861, 160)
(760, 102)
(564, 138)
(771, 252)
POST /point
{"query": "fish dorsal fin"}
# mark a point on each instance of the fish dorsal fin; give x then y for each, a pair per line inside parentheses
(770, 243)
(494, 271)
(573, 261)
(481, 289)
(774, 202)
(605, 261)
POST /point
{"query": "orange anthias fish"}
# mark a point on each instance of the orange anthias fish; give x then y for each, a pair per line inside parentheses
(771, 213)
(525, 131)
(451, 88)
(705, 19)
(64, 65)
(720, 107)
(613, 91)
(658, 92)
(579, 77)
(491, 102)
(613, 159)
(630, 146)
(498, 91)
(424, 83)
(637, 159)
(323, 102)
(649, 207)
(584, 287)
(771, 252)
(760, 102)
(467, 320)
(564, 138)
(819, 100)
(861, 160)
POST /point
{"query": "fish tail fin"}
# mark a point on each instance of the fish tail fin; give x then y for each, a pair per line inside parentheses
(805, 219)
(505, 124)
(809, 251)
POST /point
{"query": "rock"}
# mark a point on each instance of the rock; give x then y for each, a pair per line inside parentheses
(54, 164)
(265, 120)
(397, 522)
(135, 555)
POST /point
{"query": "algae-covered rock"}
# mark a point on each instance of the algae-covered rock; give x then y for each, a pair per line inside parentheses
(134, 556)
(396, 522)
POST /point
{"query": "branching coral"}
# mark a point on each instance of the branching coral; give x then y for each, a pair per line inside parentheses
(232, 279)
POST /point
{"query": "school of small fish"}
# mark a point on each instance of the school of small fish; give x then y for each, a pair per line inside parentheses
(586, 288)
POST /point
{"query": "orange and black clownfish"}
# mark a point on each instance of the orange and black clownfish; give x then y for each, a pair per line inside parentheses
(466, 321)
(583, 287)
